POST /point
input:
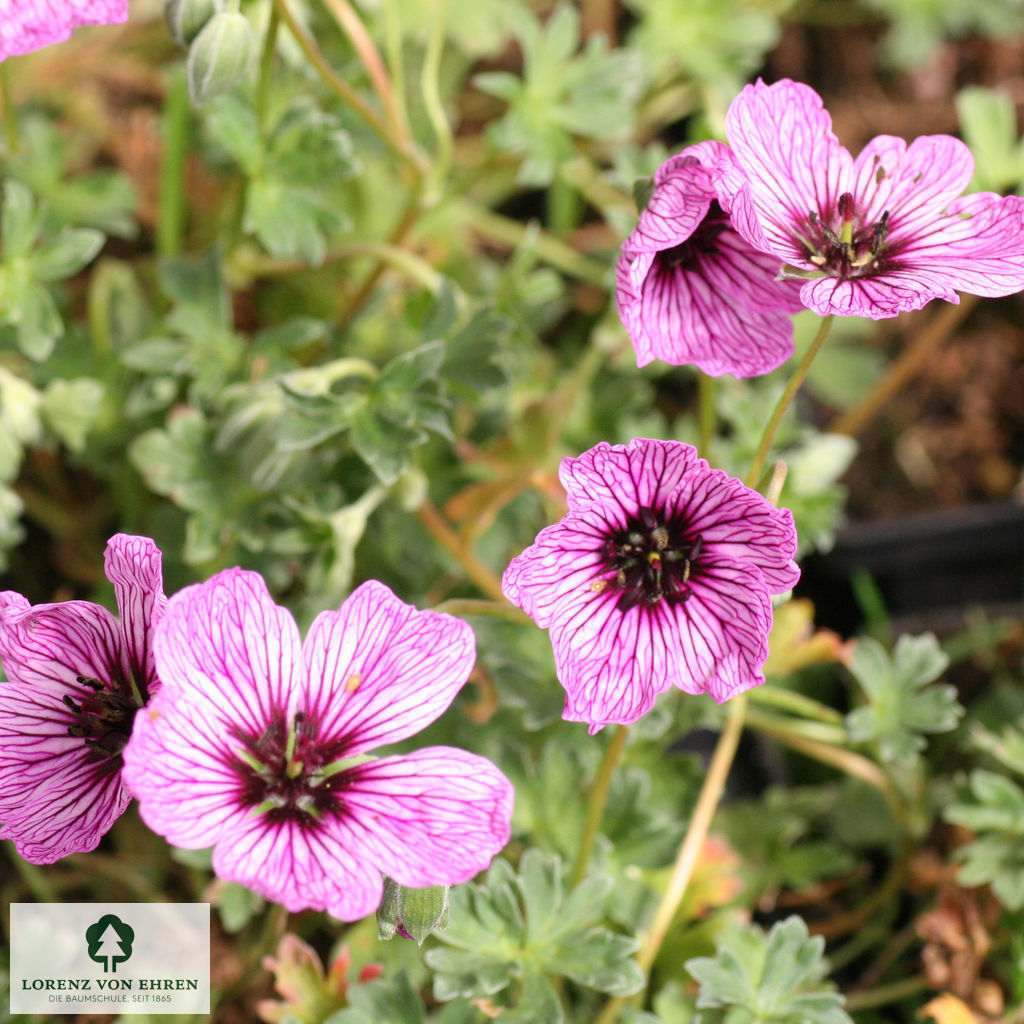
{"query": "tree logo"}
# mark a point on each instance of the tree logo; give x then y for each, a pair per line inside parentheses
(110, 942)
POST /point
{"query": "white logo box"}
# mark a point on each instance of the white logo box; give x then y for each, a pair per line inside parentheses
(110, 958)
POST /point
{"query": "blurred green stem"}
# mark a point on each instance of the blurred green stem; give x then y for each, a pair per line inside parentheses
(853, 764)
(705, 412)
(797, 703)
(489, 609)
(172, 208)
(7, 108)
(596, 801)
(512, 233)
(430, 86)
(907, 366)
(474, 568)
(873, 997)
(344, 91)
(799, 374)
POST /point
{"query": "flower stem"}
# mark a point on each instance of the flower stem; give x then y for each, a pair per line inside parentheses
(797, 703)
(707, 803)
(596, 802)
(705, 411)
(490, 609)
(474, 568)
(430, 87)
(172, 210)
(7, 108)
(890, 993)
(349, 22)
(344, 91)
(757, 465)
(905, 368)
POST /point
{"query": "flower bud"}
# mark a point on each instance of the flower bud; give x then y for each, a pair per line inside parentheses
(220, 56)
(187, 18)
(412, 913)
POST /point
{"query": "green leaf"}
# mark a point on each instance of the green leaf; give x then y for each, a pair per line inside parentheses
(526, 928)
(236, 905)
(383, 1001)
(899, 707)
(70, 407)
(776, 977)
(19, 220)
(66, 254)
(988, 123)
(561, 92)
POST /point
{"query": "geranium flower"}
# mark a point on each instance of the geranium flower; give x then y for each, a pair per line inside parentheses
(256, 746)
(659, 576)
(690, 289)
(881, 234)
(76, 678)
(27, 25)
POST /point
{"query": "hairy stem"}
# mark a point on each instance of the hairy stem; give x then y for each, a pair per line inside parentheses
(596, 802)
(7, 108)
(172, 209)
(757, 465)
(489, 609)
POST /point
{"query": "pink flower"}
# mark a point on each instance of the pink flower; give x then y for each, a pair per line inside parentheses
(880, 234)
(76, 677)
(27, 25)
(690, 289)
(658, 576)
(256, 746)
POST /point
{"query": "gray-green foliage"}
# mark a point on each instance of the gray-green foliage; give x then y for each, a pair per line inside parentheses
(395, 1001)
(901, 705)
(776, 978)
(292, 163)
(35, 256)
(994, 809)
(510, 934)
(988, 122)
(562, 92)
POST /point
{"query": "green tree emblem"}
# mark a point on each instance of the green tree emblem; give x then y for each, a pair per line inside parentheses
(110, 942)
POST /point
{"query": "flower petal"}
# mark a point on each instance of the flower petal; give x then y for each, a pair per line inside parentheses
(134, 566)
(226, 643)
(31, 24)
(179, 765)
(912, 183)
(380, 670)
(437, 816)
(299, 866)
(782, 141)
(735, 522)
(624, 478)
(681, 198)
(49, 645)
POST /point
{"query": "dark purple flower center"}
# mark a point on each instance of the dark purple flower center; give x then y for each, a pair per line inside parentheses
(102, 717)
(288, 773)
(701, 244)
(851, 248)
(651, 559)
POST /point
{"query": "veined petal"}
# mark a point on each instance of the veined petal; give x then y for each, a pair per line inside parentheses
(562, 565)
(49, 645)
(380, 670)
(624, 477)
(67, 812)
(781, 139)
(31, 24)
(736, 522)
(912, 183)
(436, 816)
(679, 202)
(726, 316)
(884, 295)
(134, 566)
(226, 642)
(179, 763)
(315, 867)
